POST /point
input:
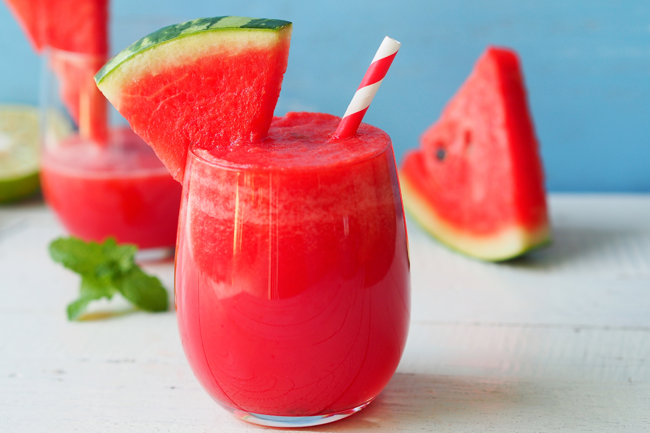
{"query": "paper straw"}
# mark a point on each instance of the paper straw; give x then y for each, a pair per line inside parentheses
(367, 89)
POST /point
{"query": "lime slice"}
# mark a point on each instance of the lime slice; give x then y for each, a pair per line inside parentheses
(19, 152)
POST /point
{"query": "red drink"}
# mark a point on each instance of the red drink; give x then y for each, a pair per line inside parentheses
(292, 272)
(120, 189)
(101, 180)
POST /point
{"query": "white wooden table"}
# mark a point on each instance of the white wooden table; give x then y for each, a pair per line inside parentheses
(558, 341)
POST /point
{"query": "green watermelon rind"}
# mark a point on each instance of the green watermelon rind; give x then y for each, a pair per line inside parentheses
(409, 207)
(188, 28)
(547, 242)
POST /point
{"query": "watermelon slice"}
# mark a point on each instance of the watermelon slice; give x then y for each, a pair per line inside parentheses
(76, 31)
(79, 26)
(210, 82)
(476, 183)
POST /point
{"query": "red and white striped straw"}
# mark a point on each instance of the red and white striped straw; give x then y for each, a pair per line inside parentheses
(367, 89)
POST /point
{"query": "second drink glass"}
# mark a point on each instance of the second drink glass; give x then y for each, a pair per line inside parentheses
(99, 177)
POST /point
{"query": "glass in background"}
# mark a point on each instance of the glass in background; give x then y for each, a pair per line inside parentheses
(98, 176)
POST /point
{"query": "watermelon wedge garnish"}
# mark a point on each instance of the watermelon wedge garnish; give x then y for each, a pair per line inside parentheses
(76, 32)
(476, 183)
(207, 82)
(79, 26)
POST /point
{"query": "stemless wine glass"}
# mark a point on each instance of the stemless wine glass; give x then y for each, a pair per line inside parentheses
(292, 272)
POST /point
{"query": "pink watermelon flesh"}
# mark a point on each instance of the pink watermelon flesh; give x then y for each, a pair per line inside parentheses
(72, 27)
(28, 13)
(478, 168)
(213, 101)
(79, 26)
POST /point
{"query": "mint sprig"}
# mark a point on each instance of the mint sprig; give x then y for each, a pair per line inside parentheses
(106, 269)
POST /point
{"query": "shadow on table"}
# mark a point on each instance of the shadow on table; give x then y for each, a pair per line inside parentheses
(417, 401)
(107, 314)
(618, 251)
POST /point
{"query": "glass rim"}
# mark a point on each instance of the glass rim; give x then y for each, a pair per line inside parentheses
(230, 166)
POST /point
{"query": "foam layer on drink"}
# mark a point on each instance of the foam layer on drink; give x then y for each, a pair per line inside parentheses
(338, 199)
(296, 174)
(300, 141)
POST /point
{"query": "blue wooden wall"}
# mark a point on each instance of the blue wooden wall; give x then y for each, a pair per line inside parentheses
(587, 67)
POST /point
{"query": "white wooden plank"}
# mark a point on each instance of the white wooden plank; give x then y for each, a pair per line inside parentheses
(559, 341)
(94, 377)
(596, 272)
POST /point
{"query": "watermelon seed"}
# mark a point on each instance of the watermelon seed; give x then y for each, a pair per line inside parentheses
(468, 141)
(440, 154)
(468, 138)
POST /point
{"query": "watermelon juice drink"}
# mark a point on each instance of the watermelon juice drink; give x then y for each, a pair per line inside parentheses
(120, 190)
(292, 271)
(101, 179)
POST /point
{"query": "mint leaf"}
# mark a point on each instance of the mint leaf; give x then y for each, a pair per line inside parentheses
(121, 255)
(106, 269)
(92, 289)
(97, 288)
(77, 255)
(145, 291)
(77, 308)
(91, 257)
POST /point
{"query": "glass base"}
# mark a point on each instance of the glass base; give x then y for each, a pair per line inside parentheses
(294, 421)
(154, 254)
